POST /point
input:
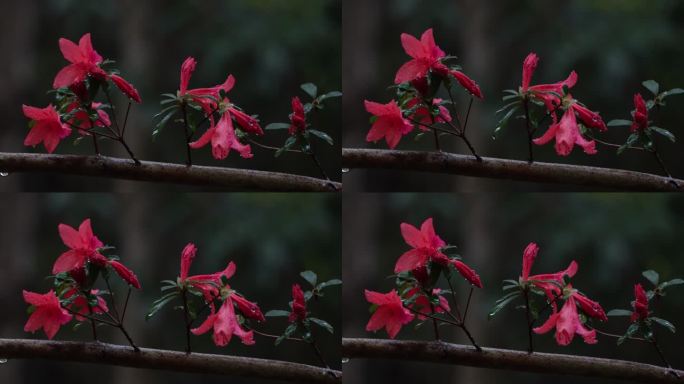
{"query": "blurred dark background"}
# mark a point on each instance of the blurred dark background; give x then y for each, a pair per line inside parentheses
(613, 237)
(614, 45)
(270, 46)
(271, 238)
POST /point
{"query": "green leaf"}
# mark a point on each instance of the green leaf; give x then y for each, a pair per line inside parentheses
(330, 95)
(288, 144)
(160, 303)
(504, 120)
(310, 276)
(665, 324)
(323, 324)
(322, 135)
(505, 107)
(310, 89)
(619, 123)
(631, 140)
(671, 283)
(501, 303)
(665, 133)
(288, 332)
(163, 111)
(630, 332)
(672, 92)
(652, 86)
(651, 276)
(329, 283)
(277, 313)
(619, 312)
(275, 126)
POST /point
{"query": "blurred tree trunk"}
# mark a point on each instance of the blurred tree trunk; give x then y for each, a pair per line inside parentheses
(359, 39)
(20, 22)
(19, 211)
(360, 221)
(137, 49)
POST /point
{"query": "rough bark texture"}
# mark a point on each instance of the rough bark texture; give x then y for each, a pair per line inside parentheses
(493, 358)
(440, 162)
(101, 353)
(102, 166)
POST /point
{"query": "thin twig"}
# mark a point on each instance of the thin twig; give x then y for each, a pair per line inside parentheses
(528, 315)
(177, 361)
(448, 163)
(496, 358)
(149, 171)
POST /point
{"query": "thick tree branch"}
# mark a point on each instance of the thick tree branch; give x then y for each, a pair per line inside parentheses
(102, 166)
(598, 178)
(101, 353)
(493, 358)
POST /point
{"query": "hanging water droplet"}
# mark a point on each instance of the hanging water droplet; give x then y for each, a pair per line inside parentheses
(4, 174)
(3, 361)
(345, 360)
(345, 170)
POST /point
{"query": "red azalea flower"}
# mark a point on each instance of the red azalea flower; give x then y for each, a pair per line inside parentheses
(390, 312)
(248, 309)
(640, 304)
(467, 273)
(298, 304)
(425, 54)
(225, 324)
(567, 133)
(549, 94)
(423, 116)
(223, 139)
(83, 246)
(426, 247)
(206, 97)
(80, 304)
(550, 283)
(81, 119)
(640, 115)
(590, 307)
(466, 82)
(389, 123)
(207, 284)
(245, 121)
(567, 322)
(84, 62)
(422, 303)
(126, 274)
(48, 128)
(297, 117)
(126, 87)
(48, 313)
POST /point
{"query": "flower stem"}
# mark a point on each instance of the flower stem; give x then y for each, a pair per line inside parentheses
(434, 322)
(470, 295)
(664, 168)
(318, 164)
(465, 124)
(526, 104)
(530, 348)
(186, 316)
(319, 354)
(188, 136)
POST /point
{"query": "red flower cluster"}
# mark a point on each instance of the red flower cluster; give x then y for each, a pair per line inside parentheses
(640, 304)
(567, 321)
(555, 97)
(427, 66)
(49, 127)
(225, 322)
(423, 259)
(222, 136)
(76, 264)
(298, 304)
(426, 57)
